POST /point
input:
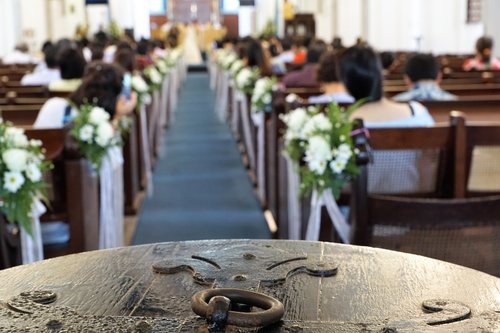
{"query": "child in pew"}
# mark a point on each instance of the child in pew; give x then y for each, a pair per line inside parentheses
(422, 75)
(329, 80)
(391, 172)
(484, 59)
(102, 83)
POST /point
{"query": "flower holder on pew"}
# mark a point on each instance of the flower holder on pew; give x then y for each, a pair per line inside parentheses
(98, 142)
(23, 187)
(321, 159)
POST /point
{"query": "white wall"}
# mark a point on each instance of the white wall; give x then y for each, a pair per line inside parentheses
(33, 19)
(428, 25)
(491, 11)
(348, 21)
(10, 25)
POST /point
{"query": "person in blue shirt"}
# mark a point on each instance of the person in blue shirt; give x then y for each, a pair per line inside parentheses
(422, 75)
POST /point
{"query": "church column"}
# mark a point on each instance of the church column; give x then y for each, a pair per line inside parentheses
(132, 14)
(9, 25)
(246, 21)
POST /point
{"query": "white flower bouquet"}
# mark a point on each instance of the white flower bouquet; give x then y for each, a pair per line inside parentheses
(227, 59)
(321, 145)
(93, 133)
(154, 77)
(236, 67)
(141, 88)
(21, 167)
(246, 78)
(262, 94)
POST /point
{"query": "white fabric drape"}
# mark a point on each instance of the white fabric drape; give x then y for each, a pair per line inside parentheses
(247, 127)
(111, 214)
(293, 201)
(259, 122)
(146, 151)
(223, 96)
(32, 245)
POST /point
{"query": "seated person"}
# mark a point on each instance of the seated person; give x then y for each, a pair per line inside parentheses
(20, 55)
(484, 59)
(254, 55)
(328, 78)
(389, 62)
(422, 75)
(285, 57)
(392, 172)
(306, 77)
(361, 72)
(72, 65)
(102, 82)
(47, 74)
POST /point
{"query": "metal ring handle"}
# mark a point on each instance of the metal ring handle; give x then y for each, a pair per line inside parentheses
(273, 309)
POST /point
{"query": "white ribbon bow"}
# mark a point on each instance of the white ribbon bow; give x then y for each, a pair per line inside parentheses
(318, 201)
(32, 245)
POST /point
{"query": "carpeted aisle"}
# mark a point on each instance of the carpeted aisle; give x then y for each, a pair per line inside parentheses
(201, 189)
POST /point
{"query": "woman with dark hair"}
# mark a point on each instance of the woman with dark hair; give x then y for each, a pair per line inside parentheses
(101, 85)
(329, 80)
(254, 55)
(361, 72)
(72, 65)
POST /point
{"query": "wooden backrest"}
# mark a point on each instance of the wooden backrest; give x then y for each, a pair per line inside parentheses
(20, 115)
(457, 229)
(24, 91)
(478, 147)
(475, 108)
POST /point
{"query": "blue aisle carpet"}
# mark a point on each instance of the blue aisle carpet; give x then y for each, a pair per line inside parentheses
(201, 189)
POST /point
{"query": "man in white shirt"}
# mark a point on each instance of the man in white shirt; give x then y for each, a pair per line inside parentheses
(46, 74)
(20, 55)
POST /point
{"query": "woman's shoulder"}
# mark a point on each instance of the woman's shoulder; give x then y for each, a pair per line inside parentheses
(51, 113)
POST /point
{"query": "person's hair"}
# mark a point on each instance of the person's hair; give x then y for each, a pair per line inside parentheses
(22, 47)
(101, 85)
(143, 47)
(97, 51)
(422, 67)
(126, 59)
(124, 45)
(337, 43)
(286, 44)
(315, 51)
(256, 56)
(328, 70)
(71, 63)
(50, 56)
(387, 58)
(482, 44)
(361, 72)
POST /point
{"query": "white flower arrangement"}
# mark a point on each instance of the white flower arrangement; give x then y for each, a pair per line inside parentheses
(263, 94)
(320, 144)
(141, 88)
(21, 167)
(236, 67)
(153, 76)
(227, 59)
(93, 133)
(246, 78)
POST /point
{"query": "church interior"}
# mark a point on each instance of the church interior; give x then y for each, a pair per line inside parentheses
(268, 165)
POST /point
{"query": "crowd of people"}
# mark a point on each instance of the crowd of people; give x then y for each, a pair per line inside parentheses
(349, 74)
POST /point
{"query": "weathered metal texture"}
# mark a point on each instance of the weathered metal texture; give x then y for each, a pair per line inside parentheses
(373, 290)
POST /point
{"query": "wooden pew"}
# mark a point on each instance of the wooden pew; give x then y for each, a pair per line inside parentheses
(459, 90)
(28, 91)
(476, 108)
